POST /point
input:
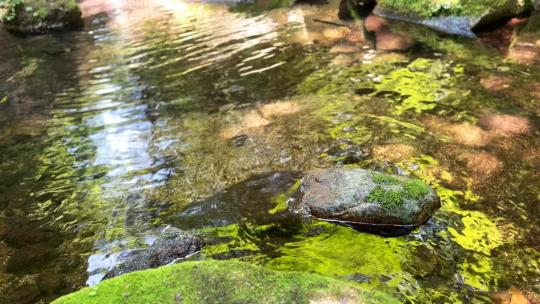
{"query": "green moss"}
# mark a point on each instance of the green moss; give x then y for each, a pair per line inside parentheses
(430, 8)
(384, 179)
(11, 6)
(222, 282)
(34, 16)
(393, 198)
(415, 189)
(388, 199)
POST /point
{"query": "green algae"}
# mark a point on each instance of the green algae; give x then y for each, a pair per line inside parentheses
(281, 200)
(233, 238)
(222, 282)
(333, 250)
(421, 85)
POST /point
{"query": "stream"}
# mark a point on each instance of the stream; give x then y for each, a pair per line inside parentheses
(200, 115)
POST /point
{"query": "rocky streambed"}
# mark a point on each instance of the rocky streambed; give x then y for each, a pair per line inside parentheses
(379, 154)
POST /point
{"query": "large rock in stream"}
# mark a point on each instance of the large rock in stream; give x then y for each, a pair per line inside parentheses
(225, 282)
(366, 199)
(173, 244)
(453, 17)
(28, 17)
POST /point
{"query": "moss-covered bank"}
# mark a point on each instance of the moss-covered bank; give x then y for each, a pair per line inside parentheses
(223, 282)
(41, 16)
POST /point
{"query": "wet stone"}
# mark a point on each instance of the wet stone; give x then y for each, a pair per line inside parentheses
(239, 140)
(173, 244)
(366, 199)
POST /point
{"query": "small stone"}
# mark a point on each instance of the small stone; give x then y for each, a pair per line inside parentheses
(239, 140)
(178, 297)
(171, 245)
(362, 197)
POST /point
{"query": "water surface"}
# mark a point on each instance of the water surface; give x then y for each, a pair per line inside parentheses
(202, 115)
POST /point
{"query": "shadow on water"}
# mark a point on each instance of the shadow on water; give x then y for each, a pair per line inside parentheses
(173, 113)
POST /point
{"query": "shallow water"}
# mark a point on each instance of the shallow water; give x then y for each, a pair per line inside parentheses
(201, 116)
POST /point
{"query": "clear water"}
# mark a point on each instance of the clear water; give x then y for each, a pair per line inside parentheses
(201, 115)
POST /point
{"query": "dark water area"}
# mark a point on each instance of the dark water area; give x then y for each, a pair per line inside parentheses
(203, 115)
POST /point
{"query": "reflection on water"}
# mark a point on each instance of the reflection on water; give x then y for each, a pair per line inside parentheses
(201, 115)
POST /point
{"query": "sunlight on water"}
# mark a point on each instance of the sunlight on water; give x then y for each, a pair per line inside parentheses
(200, 116)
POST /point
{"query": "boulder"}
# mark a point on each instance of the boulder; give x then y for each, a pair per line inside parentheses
(453, 17)
(360, 197)
(41, 16)
(173, 244)
(225, 282)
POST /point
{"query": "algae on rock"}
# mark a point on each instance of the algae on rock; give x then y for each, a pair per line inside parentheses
(223, 282)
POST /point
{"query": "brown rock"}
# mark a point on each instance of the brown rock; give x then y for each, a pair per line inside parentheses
(385, 38)
(496, 83)
(504, 124)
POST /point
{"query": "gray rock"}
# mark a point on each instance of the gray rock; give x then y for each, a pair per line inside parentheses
(456, 23)
(356, 196)
(171, 245)
(38, 16)
(537, 5)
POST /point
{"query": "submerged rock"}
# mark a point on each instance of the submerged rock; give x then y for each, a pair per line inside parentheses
(452, 17)
(40, 16)
(171, 245)
(364, 198)
(225, 282)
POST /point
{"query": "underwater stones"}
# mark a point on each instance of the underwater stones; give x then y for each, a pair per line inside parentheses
(171, 245)
(525, 46)
(496, 83)
(482, 163)
(260, 117)
(385, 38)
(360, 197)
(514, 296)
(504, 124)
(462, 133)
(40, 16)
(452, 17)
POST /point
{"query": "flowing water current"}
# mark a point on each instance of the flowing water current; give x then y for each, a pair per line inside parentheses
(202, 115)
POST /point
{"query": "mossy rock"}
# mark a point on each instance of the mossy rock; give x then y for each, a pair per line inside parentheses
(362, 197)
(29, 17)
(458, 17)
(223, 282)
